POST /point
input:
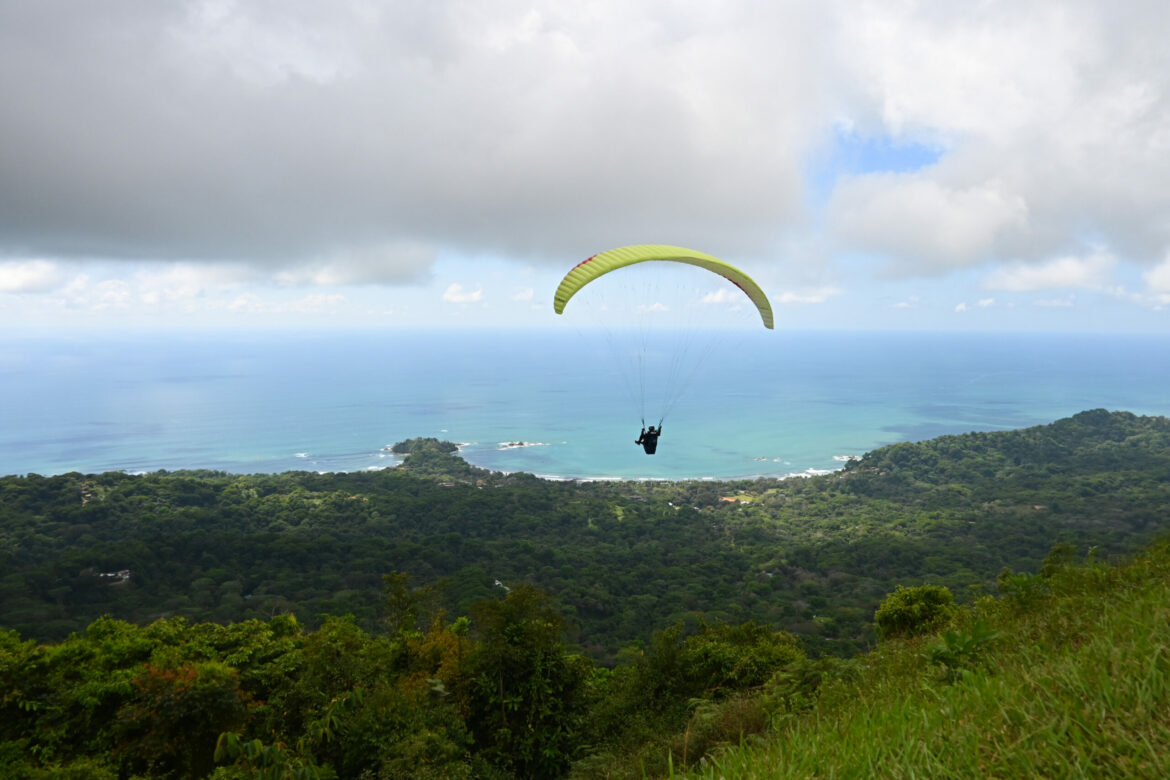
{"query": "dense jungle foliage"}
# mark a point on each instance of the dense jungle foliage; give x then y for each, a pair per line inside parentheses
(1066, 673)
(470, 602)
(812, 556)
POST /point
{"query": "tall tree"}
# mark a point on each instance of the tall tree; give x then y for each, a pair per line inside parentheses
(524, 692)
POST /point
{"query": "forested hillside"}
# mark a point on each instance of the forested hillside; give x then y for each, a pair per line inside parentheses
(1065, 675)
(813, 556)
(458, 661)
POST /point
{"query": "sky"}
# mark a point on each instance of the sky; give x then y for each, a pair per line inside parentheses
(903, 165)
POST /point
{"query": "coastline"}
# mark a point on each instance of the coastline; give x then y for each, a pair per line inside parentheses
(395, 461)
(264, 405)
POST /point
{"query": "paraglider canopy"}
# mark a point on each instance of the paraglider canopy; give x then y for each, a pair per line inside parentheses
(656, 319)
(604, 262)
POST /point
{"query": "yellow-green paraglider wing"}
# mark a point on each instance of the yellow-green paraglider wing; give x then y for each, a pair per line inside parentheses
(604, 262)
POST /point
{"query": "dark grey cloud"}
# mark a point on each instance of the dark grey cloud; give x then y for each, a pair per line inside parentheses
(357, 141)
(290, 133)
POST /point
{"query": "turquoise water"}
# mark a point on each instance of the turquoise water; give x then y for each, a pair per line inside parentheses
(762, 403)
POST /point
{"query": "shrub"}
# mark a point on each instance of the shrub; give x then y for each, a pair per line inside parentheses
(911, 612)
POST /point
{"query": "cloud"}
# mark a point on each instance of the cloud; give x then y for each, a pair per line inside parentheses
(810, 295)
(924, 224)
(525, 294)
(22, 276)
(359, 143)
(1158, 278)
(456, 294)
(982, 303)
(165, 288)
(186, 281)
(149, 283)
(1092, 272)
(722, 295)
(388, 262)
(104, 295)
(225, 131)
(1158, 282)
(1052, 121)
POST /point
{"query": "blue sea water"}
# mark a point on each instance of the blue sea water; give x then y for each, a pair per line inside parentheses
(766, 403)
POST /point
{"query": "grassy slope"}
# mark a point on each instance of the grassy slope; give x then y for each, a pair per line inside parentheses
(1077, 684)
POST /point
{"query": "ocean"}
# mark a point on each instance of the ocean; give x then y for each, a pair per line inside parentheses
(760, 403)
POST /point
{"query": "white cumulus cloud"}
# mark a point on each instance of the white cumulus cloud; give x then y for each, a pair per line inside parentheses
(1158, 281)
(367, 143)
(456, 294)
(925, 225)
(20, 276)
(1093, 272)
(722, 295)
(1051, 116)
(810, 295)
